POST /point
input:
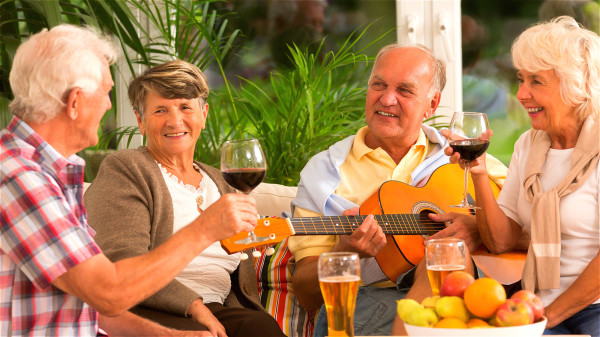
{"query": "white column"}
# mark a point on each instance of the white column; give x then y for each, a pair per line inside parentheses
(123, 76)
(125, 115)
(436, 24)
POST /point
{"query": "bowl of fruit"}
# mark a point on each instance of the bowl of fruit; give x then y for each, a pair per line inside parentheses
(469, 307)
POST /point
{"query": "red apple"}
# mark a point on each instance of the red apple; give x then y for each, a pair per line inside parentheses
(513, 312)
(455, 284)
(534, 302)
(493, 321)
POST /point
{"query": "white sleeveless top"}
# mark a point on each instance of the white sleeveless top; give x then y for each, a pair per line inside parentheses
(208, 274)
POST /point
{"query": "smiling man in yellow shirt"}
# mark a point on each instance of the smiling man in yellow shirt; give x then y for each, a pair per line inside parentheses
(404, 88)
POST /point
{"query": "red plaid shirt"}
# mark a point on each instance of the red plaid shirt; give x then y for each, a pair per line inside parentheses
(44, 232)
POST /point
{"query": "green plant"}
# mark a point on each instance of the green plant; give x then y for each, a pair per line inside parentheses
(21, 18)
(295, 113)
(191, 31)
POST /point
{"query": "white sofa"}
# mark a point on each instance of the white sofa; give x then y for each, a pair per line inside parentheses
(274, 272)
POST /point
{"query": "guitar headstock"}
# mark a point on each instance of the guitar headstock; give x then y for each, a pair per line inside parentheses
(274, 229)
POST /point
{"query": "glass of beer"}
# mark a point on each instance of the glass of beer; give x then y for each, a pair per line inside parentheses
(443, 256)
(339, 275)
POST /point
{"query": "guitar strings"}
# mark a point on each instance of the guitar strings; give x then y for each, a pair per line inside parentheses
(399, 224)
(355, 219)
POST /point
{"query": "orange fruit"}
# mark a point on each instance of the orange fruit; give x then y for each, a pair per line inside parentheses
(477, 323)
(483, 297)
(451, 323)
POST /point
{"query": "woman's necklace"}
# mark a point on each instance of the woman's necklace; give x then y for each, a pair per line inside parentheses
(199, 201)
(201, 191)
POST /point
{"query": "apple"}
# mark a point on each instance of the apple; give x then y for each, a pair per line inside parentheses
(455, 284)
(452, 306)
(429, 302)
(405, 306)
(514, 311)
(534, 302)
(422, 316)
(493, 321)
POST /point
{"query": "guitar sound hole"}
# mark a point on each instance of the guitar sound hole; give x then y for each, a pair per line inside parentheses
(424, 219)
(424, 214)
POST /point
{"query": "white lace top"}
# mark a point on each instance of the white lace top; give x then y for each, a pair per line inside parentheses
(209, 273)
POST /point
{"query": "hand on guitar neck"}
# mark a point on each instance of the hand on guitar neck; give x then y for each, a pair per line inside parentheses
(367, 239)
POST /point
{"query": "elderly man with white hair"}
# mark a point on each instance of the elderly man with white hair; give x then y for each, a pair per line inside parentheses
(55, 280)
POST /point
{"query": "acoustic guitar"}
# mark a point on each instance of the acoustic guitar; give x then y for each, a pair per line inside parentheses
(401, 210)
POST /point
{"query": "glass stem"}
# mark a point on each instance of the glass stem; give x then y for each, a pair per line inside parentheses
(251, 235)
(466, 183)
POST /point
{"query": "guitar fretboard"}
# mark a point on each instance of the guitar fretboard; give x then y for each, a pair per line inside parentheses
(396, 224)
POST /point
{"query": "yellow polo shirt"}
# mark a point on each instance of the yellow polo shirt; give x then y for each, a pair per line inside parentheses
(362, 173)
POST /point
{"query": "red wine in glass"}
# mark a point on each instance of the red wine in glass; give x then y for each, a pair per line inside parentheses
(470, 149)
(244, 166)
(245, 179)
(469, 137)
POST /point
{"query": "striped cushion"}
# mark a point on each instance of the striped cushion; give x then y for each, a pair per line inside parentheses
(274, 275)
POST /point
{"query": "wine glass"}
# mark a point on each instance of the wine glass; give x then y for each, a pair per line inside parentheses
(243, 166)
(469, 136)
(339, 276)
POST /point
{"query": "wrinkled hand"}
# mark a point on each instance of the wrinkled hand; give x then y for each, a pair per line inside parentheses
(367, 239)
(231, 214)
(461, 226)
(201, 314)
(477, 166)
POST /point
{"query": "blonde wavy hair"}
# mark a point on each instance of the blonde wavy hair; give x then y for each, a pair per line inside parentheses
(572, 51)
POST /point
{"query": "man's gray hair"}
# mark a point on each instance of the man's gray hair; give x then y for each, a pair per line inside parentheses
(438, 66)
(51, 63)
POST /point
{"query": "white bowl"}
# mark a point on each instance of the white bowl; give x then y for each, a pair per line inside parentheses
(530, 330)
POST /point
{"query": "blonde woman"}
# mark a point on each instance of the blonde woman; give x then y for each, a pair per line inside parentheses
(552, 187)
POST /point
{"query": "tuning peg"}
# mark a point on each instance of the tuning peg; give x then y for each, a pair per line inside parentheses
(243, 256)
(255, 253)
(270, 251)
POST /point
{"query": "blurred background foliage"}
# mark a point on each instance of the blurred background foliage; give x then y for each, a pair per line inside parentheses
(296, 110)
(297, 85)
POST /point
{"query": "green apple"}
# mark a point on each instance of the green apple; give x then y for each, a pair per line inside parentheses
(429, 302)
(452, 306)
(422, 316)
(405, 306)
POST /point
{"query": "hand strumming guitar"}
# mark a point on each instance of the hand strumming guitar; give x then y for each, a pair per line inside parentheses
(460, 226)
(367, 239)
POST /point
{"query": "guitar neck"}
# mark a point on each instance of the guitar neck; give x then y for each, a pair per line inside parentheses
(394, 224)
